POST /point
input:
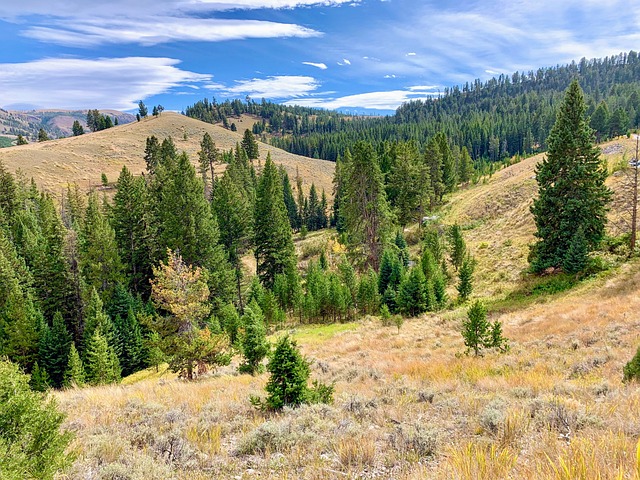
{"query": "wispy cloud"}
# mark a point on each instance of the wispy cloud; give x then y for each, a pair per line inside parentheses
(274, 87)
(321, 66)
(383, 100)
(96, 83)
(157, 30)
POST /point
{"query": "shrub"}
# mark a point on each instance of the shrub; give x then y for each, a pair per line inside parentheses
(479, 333)
(31, 445)
(631, 370)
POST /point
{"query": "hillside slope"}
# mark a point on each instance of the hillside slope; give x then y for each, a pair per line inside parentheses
(83, 159)
(408, 403)
(498, 223)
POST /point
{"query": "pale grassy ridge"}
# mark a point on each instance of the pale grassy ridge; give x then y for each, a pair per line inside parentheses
(83, 159)
(408, 405)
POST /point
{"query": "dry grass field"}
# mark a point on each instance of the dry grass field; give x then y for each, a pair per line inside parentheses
(408, 403)
(56, 163)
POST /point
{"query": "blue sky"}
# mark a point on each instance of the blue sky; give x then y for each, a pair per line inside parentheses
(353, 55)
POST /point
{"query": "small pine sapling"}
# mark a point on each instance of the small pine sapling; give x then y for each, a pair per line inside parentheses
(631, 371)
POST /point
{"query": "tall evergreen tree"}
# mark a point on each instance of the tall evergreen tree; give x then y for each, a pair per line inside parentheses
(234, 215)
(102, 364)
(365, 208)
(54, 350)
(207, 157)
(571, 189)
(133, 232)
(152, 154)
(129, 338)
(100, 262)
(74, 375)
(274, 249)
(254, 341)
(433, 160)
(250, 145)
(289, 200)
(465, 167)
(449, 174)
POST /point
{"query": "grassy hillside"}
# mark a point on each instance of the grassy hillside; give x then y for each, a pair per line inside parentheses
(408, 403)
(83, 159)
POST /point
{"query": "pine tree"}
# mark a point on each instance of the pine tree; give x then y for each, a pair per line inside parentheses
(102, 364)
(21, 140)
(457, 246)
(133, 233)
(571, 189)
(449, 177)
(234, 216)
(131, 348)
(405, 184)
(100, 262)
(250, 145)
(575, 260)
(142, 109)
(74, 375)
(181, 291)
(433, 160)
(39, 381)
(96, 319)
(412, 297)
(254, 341)
(289, 200)
(274, 249)
(77, 129)
(287, 384)
(476, 328)
(600, 121)
(152, 154)
(54, 350)
(465, 279)
(479, 333)
(465, 167)
(631, 370)
(42, 135)
(337, 220)
(365, 208)
(207, 157)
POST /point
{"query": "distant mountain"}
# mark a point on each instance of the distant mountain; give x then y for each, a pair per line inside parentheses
(57, 123)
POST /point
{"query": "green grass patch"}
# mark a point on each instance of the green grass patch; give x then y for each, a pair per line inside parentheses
(149, 374)
(5, 142)
(320, 333)
(533, 289)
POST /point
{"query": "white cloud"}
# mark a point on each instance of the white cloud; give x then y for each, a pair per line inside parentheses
(389, 76)
(346, 61)
(155, 30)
(385, 100)
(137, 8)
(99, 83)
(321, 66)
(411, 54)
(279, 86)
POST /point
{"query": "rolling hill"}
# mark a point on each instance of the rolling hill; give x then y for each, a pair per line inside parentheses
(408, 404)
(56, 163)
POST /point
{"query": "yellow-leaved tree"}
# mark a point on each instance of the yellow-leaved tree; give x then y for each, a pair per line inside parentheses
(180, 291)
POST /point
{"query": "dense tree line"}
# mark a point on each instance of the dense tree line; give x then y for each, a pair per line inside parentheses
(499, 118)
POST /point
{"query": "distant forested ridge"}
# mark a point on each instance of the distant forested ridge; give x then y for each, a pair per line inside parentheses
(501, 117)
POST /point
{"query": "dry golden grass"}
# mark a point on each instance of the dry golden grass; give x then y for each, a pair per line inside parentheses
(83, 159)
(408, 404)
